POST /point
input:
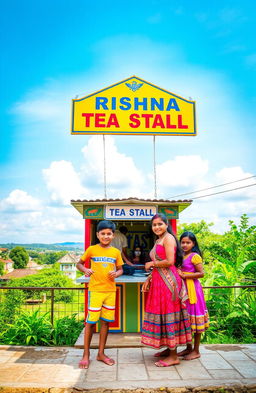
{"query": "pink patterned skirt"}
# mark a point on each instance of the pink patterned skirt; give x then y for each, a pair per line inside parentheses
(198, 313)
(166, 321)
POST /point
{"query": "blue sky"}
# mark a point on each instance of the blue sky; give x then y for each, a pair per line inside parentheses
(53, 51)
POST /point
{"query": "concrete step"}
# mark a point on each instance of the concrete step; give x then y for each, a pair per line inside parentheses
(115, 340)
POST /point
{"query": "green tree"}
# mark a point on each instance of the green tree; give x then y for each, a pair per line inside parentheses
(4, 254)
(241, 241)
(19, 256)
(1, 268)
(33, 253)
(51, 257)
(232, 259)
(203, 234)
(47, 258)
(201, 228)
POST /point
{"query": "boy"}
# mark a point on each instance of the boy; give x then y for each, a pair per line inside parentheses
(105, 265)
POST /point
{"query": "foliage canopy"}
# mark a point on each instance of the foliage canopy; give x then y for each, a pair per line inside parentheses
(229, 259)
(19, 256)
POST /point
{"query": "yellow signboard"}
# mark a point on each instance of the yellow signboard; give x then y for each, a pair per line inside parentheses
(133, 107)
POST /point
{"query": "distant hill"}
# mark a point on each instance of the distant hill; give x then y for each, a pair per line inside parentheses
(72, 246)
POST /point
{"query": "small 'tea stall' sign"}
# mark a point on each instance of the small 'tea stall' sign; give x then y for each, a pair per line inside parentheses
(126, 212)
(136, 107)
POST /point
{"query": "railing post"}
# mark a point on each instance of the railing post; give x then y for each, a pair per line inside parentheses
(52, 305)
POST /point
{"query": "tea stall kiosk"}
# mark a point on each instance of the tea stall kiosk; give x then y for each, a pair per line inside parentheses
(135, 214)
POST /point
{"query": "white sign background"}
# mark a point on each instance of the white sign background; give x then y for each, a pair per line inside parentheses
(130, 212)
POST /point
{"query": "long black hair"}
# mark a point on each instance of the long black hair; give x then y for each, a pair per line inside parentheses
(179, 252)
(193, 238)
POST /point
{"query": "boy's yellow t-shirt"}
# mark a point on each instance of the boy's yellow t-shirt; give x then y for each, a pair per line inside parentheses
(102, 261)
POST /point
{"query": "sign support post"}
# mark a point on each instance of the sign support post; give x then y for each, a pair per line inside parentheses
(105, 168)
(154, 148)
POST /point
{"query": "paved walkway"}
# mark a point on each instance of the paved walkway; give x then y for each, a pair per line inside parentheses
(57, 367)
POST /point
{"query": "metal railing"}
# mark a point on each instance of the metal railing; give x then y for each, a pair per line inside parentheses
(60, 302)
(57, 301)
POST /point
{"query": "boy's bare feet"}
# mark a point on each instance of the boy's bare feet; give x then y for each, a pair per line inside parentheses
(192, 355)
(165, 352)
(105, 359)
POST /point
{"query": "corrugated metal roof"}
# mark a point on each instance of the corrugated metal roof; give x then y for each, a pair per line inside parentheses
(132, 199)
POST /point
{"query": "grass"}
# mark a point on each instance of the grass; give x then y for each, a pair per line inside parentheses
(61, 309)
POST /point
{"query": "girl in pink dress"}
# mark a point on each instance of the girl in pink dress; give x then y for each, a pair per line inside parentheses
(191, 271)
(166, 322)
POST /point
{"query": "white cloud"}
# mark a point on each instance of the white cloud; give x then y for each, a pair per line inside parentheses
(123, 178)
(182, 171)
(63, 221)
(57, 223)
(216, 211)
(51, 103)
(19, 200)
(222, 208)
(232, 174)
(39, 109)
(63, 182)
(241, 200)
(240, 179)
(48, 104)
(52, 224)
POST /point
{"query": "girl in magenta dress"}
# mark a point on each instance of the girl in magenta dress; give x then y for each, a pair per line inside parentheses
(191, 271)
(166, 322)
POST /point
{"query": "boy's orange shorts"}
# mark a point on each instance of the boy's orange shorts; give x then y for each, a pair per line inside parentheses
(101, 305)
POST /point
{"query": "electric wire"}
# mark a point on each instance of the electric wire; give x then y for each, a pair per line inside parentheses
(209, 188)
(222, 192)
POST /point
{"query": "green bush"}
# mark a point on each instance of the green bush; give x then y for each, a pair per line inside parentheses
(10, 306)
(232, 316)
(49, 277)
(28, 329)
(35, 329)
(66, 330)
